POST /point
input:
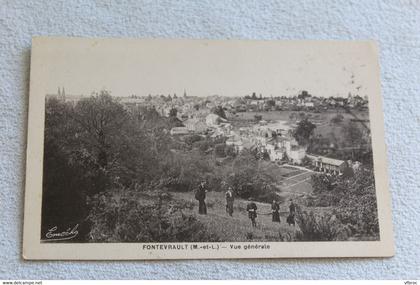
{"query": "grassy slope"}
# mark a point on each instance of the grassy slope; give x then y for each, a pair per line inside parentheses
(237, 228)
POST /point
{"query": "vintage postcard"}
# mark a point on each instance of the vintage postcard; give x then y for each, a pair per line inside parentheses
(198, 149)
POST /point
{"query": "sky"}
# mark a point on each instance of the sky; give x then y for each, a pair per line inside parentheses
(204, 68)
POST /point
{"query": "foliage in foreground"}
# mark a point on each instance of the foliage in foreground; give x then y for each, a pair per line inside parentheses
(353, 199)
(321, 227)
(120, 217)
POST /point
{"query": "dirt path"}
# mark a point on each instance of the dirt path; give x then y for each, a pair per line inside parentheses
(298, 167)
(238, 227)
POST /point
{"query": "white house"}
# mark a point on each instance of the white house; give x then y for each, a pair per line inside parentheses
(213, 120)
(296, 154)
(179, 131)
(274, 151)
(327, 164)
(278, 146)
(195, 125)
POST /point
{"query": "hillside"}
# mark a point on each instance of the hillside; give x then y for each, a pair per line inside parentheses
(238, 228)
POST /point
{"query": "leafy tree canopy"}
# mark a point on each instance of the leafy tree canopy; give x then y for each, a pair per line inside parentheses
(304, 131)
(218, 110)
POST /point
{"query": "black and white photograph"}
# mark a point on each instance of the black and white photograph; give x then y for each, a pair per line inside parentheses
(227, 143)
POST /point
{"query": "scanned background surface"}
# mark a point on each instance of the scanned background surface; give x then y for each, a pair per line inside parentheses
(396, 26)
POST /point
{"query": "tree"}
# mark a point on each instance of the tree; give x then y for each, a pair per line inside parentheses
(190, 140)
(353, 196)
(100, 119)
(271, 103)
(230, 151)
(353, 134)
(304, 131)
(219, 149)
(306, 161)
(173, 112)
(218, 110)
(65, 182)
(337, 119)
(355, 138)
(203, 145)
(285, 157)
(293, 116)
(304, 94)
(322, 183)
(303, 116)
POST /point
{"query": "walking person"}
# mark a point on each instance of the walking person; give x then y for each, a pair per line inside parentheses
(252, 212)
(275, 208)
(229, 201)
(200, 195)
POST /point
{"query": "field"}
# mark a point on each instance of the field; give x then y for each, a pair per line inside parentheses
(268, 116)
(297, 184)
(322, 120)
(292, 180)
(284, 115)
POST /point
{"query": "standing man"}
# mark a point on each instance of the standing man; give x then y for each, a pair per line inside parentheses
(275, 208)
(292, 208)
(252, 212)
(292, 212)
(200, 195)
(229, 201)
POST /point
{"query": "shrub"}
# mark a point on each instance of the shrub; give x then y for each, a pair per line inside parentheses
(361, 214)
(306, 161)
(268, 197)
(230, 151)
(120, 217)
(184, 171)
(249, 235)
(337, 119)
(219, 149)
(191, 139)
(320, 227)
(202, 145)
(354, 198)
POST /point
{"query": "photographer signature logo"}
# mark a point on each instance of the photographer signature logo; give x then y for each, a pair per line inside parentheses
(54, 235)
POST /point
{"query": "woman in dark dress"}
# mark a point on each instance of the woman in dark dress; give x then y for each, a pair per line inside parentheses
(229, 201)
(275, 208)
(200, 195)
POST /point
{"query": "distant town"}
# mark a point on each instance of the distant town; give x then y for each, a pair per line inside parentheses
(244, 123)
